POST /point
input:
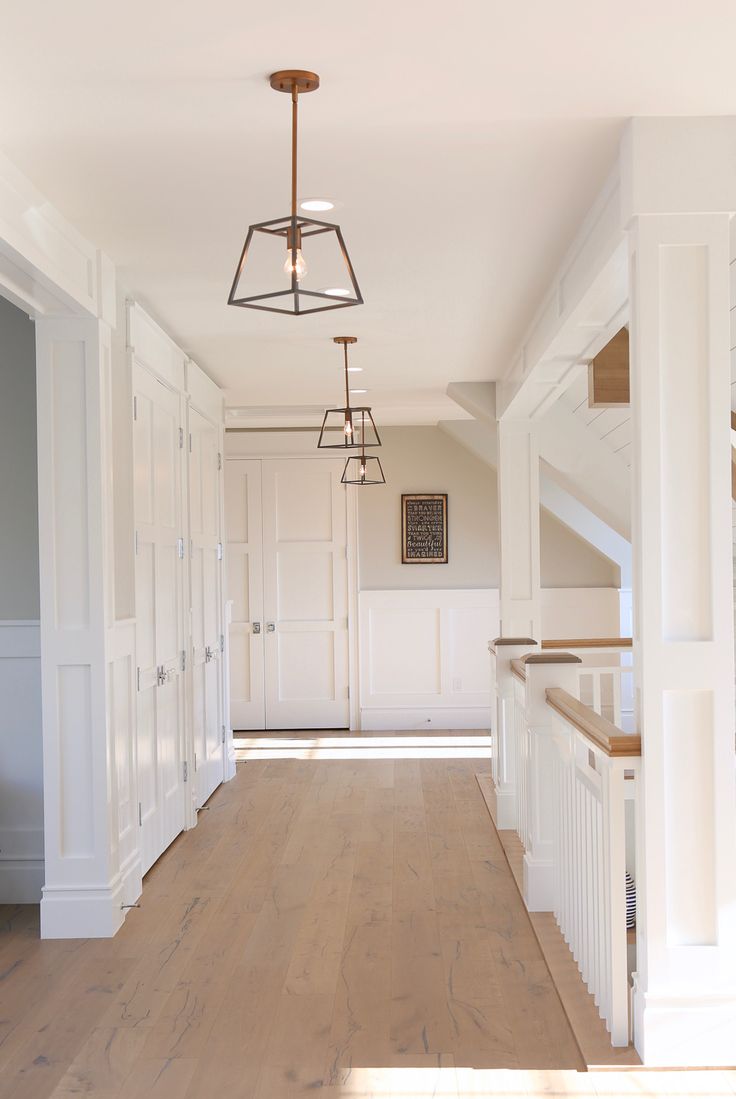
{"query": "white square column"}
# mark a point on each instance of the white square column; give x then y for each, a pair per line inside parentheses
(92, 865)
(678, 190)
(518, 524)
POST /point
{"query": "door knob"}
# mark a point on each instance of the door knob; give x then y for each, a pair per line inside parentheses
(270, 627)
(256, 627)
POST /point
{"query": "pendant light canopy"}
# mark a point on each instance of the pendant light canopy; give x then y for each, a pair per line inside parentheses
(355, 425)
(280, 256)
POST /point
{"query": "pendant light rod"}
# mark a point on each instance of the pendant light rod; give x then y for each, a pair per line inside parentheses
(294, 123)
(294, 81)
(345, 340)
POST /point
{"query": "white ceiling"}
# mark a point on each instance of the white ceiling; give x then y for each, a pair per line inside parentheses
(464, 142)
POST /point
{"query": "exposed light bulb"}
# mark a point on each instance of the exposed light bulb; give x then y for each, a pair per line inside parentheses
(299, 268)
(348, 429)
(362, 472)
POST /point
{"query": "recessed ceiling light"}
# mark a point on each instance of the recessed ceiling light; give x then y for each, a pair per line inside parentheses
(358, 390)
(317, 204)
(337, 292)
(355, 369)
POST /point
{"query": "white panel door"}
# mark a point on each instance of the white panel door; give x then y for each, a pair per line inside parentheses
(159, 613)
(305, 594)
(244, 564)
(205, 564)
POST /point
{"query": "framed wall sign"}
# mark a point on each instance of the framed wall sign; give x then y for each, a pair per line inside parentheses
(424, 528)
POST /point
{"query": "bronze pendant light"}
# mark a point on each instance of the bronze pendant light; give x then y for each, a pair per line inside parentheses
(345, 419)
(363, 469)
(277, 247)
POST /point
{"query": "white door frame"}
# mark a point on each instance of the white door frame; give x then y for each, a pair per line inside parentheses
(352, 566)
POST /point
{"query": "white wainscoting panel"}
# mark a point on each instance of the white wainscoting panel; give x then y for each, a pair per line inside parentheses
(21, 764)
(424, 658)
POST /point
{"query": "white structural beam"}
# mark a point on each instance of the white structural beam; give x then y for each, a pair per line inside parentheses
(678, 194)
(583, 464)
(518, 525)
(584, 308)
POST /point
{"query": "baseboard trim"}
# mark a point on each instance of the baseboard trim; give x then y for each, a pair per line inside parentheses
(90, 913)
(538, 884)
(687, 1031)
(440, 717)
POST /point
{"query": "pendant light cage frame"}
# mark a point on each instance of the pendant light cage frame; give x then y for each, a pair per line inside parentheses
(300, 301)
(377, 476)
(357, 438)
(297, 301)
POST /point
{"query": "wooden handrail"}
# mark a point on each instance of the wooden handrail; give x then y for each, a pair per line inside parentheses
(604, 734)
(589, 643)
(519, 670)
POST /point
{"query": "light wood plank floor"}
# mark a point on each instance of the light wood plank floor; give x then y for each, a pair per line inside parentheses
(345, 927)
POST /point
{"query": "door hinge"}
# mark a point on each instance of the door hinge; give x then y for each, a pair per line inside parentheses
(223, 734)
(138, 678)
(180, 547)
(222, 642)
(140, 815)
(185, 768)
(135, 408)
(219, 551)
(181, 438)
(190, 442)
(183, 660)
(135, 540)
(219, 460)
(195, 761)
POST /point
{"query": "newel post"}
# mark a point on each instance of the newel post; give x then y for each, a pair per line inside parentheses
(543, 670)
(503, 762)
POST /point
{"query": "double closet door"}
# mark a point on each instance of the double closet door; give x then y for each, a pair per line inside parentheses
(287, 580)
(160, 579)
(179, 619)
(207, 627)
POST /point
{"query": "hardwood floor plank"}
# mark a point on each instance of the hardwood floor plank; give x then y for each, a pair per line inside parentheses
(348, 927)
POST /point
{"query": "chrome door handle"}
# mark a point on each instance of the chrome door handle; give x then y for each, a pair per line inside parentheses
(256, 627)
(270, 627)
(160, 675)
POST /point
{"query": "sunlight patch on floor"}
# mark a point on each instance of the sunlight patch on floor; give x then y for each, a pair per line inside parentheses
(448, 1082)
(362, 747)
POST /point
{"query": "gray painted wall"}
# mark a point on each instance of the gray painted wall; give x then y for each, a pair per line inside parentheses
(19, 597)
(426, 459)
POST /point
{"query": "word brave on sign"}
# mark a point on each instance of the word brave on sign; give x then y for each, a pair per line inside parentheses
(424, 528)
